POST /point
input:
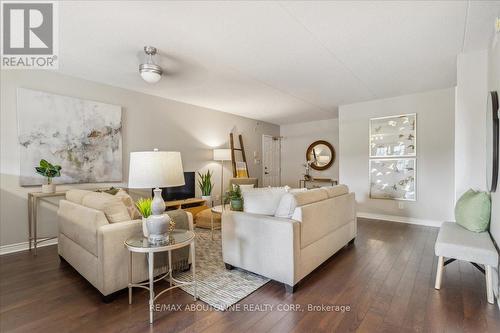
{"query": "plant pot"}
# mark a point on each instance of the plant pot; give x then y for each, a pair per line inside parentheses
(207, 198)
(49, 188)
(145, 231)
(237, 204)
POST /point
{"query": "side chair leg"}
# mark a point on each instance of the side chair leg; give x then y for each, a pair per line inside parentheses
(439, 273)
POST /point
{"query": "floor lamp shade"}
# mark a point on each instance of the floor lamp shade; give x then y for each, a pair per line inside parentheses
(222, 154)
(153, 169)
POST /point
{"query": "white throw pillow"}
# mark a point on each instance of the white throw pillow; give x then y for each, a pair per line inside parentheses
(263, 201)
(287, 206)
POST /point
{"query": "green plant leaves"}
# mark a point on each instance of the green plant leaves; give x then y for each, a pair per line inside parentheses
(48, 170)
(144, 206)
(205, 183)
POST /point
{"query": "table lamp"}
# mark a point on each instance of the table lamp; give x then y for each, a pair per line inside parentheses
(155, 169)
(222, 155)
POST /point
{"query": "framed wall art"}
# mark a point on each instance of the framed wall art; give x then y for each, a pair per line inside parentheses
(393, 136)
(83, 136)
(393, 178)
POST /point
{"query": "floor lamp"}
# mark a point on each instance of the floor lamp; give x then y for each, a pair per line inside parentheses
(222, 155)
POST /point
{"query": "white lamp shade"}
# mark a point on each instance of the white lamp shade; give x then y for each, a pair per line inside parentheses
(222, 154)
(151, 169)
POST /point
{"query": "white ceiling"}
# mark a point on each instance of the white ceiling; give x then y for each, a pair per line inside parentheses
(281, 62)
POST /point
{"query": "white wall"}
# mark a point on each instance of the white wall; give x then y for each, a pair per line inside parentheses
(296, 140)
(435, 154)
(470, 122)
(148, 122)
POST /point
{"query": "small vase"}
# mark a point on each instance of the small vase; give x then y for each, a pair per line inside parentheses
(237, 204)
(49, 188)
(145, 231)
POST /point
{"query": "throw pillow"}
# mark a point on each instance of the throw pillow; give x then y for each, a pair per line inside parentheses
(473, 210)
(263, 201)
(111, 190)
(129, 203)
(111, 206)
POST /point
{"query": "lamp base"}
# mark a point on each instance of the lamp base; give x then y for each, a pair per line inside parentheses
(158, 228)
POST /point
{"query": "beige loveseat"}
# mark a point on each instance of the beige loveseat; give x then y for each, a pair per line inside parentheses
(94, 246)
(284, 235)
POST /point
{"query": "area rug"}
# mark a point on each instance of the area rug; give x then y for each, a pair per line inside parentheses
(217, 286)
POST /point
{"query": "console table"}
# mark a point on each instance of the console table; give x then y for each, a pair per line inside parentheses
(33, 199)
(192, 205)
(316, 182)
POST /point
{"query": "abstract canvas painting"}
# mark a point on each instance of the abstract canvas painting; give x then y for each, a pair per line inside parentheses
(393, 179)
(393, 136)
(83, 136)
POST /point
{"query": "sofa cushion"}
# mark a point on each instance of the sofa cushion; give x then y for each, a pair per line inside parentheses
(262, 200)
(111, 206)
(290, 201)
(335, 191)
(76, 196)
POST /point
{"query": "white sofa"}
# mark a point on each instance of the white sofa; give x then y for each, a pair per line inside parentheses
(94, 246)
(306, 229)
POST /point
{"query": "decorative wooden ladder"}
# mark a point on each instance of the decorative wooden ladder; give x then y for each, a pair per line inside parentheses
(243, 156)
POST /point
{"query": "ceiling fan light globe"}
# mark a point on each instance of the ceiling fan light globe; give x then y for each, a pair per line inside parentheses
(150, 77)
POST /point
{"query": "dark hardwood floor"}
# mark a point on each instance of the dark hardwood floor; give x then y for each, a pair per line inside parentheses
(386, 278)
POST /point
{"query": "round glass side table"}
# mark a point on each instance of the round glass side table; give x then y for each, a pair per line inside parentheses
(217, 210)
(176, 240)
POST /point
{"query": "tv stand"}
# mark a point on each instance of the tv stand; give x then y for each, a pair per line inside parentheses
(193, 205)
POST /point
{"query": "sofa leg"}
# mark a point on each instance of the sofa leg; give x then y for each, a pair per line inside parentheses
(228, 266)
(351, 242)
(439, 273)
(62, 260)
(489, 285)
(290, 289)
(108, 298)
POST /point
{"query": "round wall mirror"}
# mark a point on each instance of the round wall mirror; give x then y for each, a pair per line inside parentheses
(320, 155)
(492, 141)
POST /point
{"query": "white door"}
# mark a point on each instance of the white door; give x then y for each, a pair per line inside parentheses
(271, 156)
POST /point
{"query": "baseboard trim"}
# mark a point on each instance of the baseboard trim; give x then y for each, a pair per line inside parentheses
(18, 247)
(401, 219)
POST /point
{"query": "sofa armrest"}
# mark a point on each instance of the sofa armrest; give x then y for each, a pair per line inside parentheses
(114, 257)
(266, 245)
(80, 224)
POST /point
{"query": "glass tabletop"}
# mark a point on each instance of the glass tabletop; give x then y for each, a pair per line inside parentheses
(176, 239)
(220, 209)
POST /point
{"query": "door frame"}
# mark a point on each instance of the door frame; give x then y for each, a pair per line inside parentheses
(279, 157)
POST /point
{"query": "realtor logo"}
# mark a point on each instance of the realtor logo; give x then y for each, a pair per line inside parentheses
(29, 31)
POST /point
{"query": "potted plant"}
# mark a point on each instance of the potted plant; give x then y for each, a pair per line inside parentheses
(144, 207)
(205, 184)
(234, 197)
(49, 171)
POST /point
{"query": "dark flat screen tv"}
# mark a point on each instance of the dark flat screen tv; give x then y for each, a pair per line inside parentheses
(180, 192)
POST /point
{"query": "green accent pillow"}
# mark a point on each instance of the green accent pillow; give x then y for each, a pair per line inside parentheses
(473, 210)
